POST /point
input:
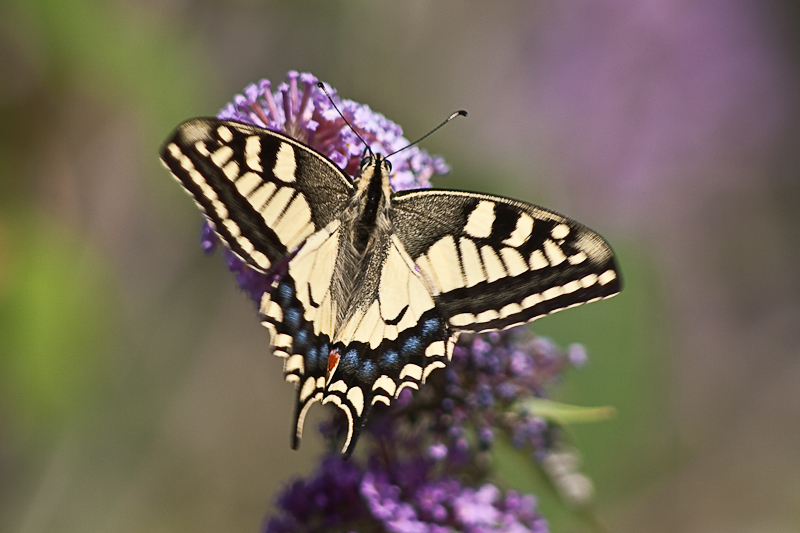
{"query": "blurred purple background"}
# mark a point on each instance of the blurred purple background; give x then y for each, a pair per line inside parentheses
(136, 389)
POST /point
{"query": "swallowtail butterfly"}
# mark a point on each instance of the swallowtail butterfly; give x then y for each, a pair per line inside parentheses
(372, 287)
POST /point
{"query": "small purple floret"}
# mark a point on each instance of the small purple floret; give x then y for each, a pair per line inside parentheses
(437, 451)
(577, 355)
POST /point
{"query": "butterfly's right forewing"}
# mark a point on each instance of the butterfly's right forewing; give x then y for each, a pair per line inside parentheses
(265, 193)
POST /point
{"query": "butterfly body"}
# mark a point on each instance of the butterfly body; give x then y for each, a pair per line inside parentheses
(372, 287)
(364, 233)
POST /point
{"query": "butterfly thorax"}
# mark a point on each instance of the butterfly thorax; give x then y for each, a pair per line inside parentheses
(371, 199)
(363, 240)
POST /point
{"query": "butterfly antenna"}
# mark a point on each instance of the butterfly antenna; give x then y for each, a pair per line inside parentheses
(322, 86)
(459, 113)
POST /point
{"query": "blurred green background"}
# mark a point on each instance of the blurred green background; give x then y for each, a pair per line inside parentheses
(136, 390)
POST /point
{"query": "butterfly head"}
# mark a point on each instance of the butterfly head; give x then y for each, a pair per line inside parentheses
(373, 178)
(371, 161)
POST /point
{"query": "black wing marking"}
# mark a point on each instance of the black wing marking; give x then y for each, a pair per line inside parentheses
(264, 192)
(493, 263)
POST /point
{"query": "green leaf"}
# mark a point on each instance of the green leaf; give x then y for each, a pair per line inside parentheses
(564, 413)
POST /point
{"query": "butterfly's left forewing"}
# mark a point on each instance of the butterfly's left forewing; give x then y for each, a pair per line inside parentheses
(493, 263)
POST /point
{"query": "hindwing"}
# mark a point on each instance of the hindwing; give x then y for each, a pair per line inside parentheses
(392, 338)
(493, 263)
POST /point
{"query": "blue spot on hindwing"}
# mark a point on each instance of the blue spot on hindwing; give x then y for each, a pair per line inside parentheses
(367, 372)
(301, 339)
(430, 326)
(311, 357)
(285, 292)
(292, 318)
(349, 363)
(389, 360)
(410, 347)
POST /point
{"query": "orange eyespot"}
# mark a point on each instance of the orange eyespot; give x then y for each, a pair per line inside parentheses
(333, 361)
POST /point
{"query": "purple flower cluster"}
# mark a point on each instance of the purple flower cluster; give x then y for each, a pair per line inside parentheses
(408, 496)
(481, 392)
(307, 115)
(446, 505)
(329, 501)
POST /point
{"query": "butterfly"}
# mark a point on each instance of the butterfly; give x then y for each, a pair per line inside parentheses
(371, 286)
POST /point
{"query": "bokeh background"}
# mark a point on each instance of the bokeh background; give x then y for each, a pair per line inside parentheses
(136, 390)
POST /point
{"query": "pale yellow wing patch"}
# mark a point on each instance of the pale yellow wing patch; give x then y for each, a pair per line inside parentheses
(312, 270)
